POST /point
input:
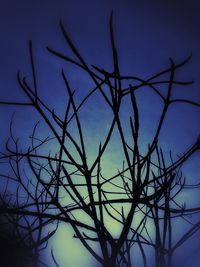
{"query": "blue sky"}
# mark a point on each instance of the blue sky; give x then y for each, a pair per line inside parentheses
(147, 34)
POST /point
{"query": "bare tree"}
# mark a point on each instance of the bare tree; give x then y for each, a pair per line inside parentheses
(146, 183)
(21, 239)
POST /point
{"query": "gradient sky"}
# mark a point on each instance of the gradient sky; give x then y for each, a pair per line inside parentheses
(147, 34)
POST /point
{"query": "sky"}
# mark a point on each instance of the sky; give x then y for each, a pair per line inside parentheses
(147, 34)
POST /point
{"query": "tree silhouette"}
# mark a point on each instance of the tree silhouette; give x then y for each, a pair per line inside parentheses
(65, 186)
(20, 239)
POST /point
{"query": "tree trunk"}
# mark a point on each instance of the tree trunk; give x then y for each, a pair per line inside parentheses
(110, 263)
